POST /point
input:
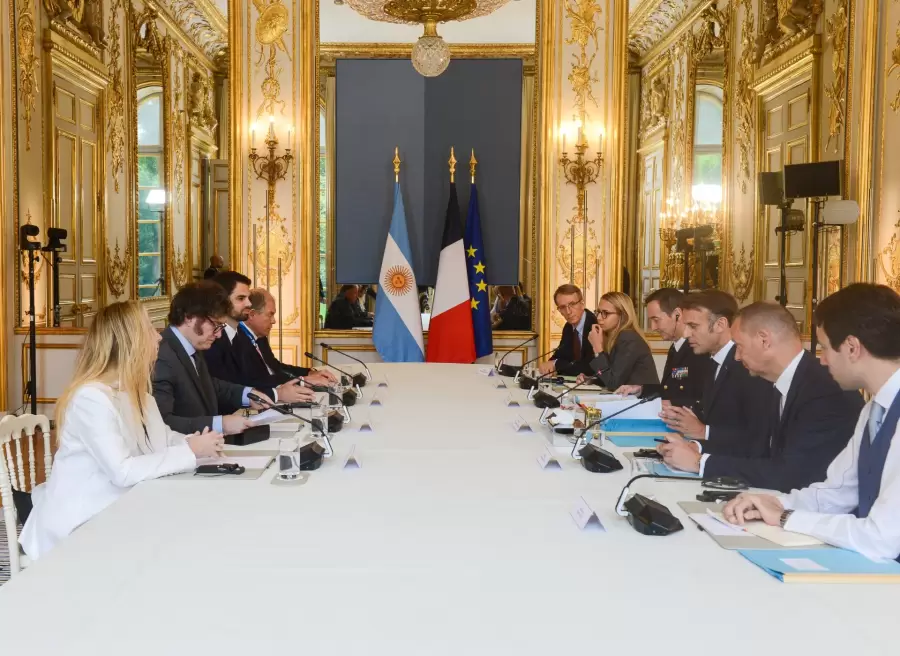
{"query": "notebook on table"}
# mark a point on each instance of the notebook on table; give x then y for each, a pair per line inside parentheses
(830, 565)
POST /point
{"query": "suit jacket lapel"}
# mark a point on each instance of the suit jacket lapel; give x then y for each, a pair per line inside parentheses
(719, 380)
(206, 385)
(793, 391)
(188, 364)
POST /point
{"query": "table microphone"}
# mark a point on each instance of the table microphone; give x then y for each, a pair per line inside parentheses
(544, 400)
(528, 362)
(646, 516)
(646, 399)
(355, 379)
(347, 355)
(598, 460)
(316, 424)
(510, 370)
(527, 382)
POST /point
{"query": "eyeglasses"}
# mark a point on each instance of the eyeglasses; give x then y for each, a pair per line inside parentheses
(217, 327)
(605, 313)
(569, 306)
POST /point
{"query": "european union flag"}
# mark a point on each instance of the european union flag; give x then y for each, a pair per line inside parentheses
(476, 268)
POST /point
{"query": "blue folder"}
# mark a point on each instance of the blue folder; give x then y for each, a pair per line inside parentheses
(640, 426)
(634, 441)
(822, 566)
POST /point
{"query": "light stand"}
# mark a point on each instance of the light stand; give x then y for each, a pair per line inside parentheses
(54, 247)
(31, 247)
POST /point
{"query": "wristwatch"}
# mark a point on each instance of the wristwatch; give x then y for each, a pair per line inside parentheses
(784, 517)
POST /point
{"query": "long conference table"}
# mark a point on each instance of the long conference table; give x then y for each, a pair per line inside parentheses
(448, 539)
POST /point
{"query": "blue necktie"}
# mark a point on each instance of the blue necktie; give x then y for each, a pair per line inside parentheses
(876, 417)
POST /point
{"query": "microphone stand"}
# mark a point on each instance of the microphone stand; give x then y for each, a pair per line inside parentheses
(316, 426)
(782, 258)
(347, 355)
(817, 203)
(586, 429)
(31, 386)
(519, 373)
(620, 503)
(509, 370)
(358, 380)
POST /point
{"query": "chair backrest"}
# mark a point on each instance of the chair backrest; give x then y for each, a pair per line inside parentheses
(11, 430)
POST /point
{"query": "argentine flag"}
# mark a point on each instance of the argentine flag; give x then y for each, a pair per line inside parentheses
(398, 322)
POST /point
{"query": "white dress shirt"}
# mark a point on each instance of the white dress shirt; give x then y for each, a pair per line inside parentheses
(783, 384)
(103, 452)
(823, 510)
(679, 343)
(719, 359)
(231, 332)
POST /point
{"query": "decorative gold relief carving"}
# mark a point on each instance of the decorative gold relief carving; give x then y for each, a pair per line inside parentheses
(744, 96)
(783, 24)
(582, 15)
(649, 27)
(890, 260)
(117, 268)
(180, 268)
(80, 21)
(279, 241)
(742, 274)
(179, 124)
(895, 64)
(680, 57)
(115, 128)
(654, 102)
(292, 317)
(270, 29)
(836, 31)
(200, 102)
(147, 34)
(28, 64)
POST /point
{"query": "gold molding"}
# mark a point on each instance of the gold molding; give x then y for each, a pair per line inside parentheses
(68, 346)
(88, 68)
(676, 28)
(6, 222)
(891, 253)
(305, 95)
(741, 273)
(782, 69)
(181, 268)
(328, 52)
(547, 57)
(744, 97)
(836, 92)
(190, 42)
(870, 74)
(237, 131)
(117, 268)
(213, 15)
(620, 94)
(115, 103)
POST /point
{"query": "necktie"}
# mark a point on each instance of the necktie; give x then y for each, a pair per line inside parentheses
(672, 351)
(194, 361)
(261, 357)
(576, 346)
(876, 417)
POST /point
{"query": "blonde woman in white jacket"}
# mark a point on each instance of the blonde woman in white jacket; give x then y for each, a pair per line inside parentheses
(111, 434)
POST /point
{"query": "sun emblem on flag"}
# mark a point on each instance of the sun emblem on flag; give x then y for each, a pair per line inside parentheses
(398, 280)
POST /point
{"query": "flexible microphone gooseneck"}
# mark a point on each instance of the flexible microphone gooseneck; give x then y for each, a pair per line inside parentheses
(356, 379)
(527, 382)
(649, 397)
(646, 516)
(316, 424)
(544, 400)
(510, 370)
(347, 355)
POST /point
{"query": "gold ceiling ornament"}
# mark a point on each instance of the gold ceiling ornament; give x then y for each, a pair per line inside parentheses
(654, 21)
(784, 24)
(836, 91)
(744, 95)
(891, 253)
(28, 65)
(431, 54)
(202, 23)
(115, 127)
(117, 268)
(742, 274)
(80, 21)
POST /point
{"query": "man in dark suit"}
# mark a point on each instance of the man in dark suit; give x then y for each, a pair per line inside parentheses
(809, 417)
(189, 399)
(233, 356)
(216, 264)
(574, 354)
(733, 404)
(345, 312)
(685, 372)
(262, 363)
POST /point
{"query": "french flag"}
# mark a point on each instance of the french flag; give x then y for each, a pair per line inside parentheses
(451, 337)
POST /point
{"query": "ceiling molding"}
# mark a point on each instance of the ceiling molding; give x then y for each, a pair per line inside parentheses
(654, 21)
(201, 22)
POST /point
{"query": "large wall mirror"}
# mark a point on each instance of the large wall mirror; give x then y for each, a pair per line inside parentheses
(371, 99)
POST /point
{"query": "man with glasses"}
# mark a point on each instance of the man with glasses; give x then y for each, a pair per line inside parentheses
(189, 399)
(574, 354)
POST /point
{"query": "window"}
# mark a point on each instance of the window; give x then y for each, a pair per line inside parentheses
(707, 171)
(151, 193)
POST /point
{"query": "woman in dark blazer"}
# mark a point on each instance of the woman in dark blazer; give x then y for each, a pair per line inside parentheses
(623, 356)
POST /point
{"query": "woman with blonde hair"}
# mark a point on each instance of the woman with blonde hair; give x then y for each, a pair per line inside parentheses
(623, 356)
(111, 434)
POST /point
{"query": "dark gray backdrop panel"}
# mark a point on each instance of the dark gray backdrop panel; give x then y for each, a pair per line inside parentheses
(379, 104)
(474, 104)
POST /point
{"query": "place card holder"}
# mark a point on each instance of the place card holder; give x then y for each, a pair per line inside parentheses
(375, 402)
(366, 426)
(521, 425)
(547, 460)
(384, 381)
(511, 402)
(501, 384)
(352, 461)
(585, 516)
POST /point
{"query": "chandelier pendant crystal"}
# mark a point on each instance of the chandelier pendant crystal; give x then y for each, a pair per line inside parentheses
(430, 54)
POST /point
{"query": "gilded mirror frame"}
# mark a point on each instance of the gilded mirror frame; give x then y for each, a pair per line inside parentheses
(328, 53)
(153, 46)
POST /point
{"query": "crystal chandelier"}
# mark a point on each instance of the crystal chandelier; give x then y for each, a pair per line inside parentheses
(431, 54)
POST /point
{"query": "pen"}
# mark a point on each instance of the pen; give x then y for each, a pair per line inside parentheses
(661, 441)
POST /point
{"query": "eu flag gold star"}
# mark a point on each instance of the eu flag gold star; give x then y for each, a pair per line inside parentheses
(479, 268)
(471, 252)
(482, 285)
(475, 304)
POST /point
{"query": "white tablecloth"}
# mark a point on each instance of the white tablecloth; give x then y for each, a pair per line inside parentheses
(448, 540)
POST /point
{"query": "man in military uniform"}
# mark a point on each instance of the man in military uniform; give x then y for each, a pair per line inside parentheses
(685, 373)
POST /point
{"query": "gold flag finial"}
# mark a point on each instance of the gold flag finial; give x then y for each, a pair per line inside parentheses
(472, 164)
(452, 163)
(396, 164)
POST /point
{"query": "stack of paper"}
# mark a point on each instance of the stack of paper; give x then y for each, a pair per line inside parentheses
(774, 534)
(247, 462)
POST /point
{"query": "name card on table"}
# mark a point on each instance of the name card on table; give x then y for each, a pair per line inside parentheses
(547, 460)
(352, 461)
(511, 402)
(366, 426)
(384, 381)
(585, 516)
(521, 425)
(501, 384)
(375, 400)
